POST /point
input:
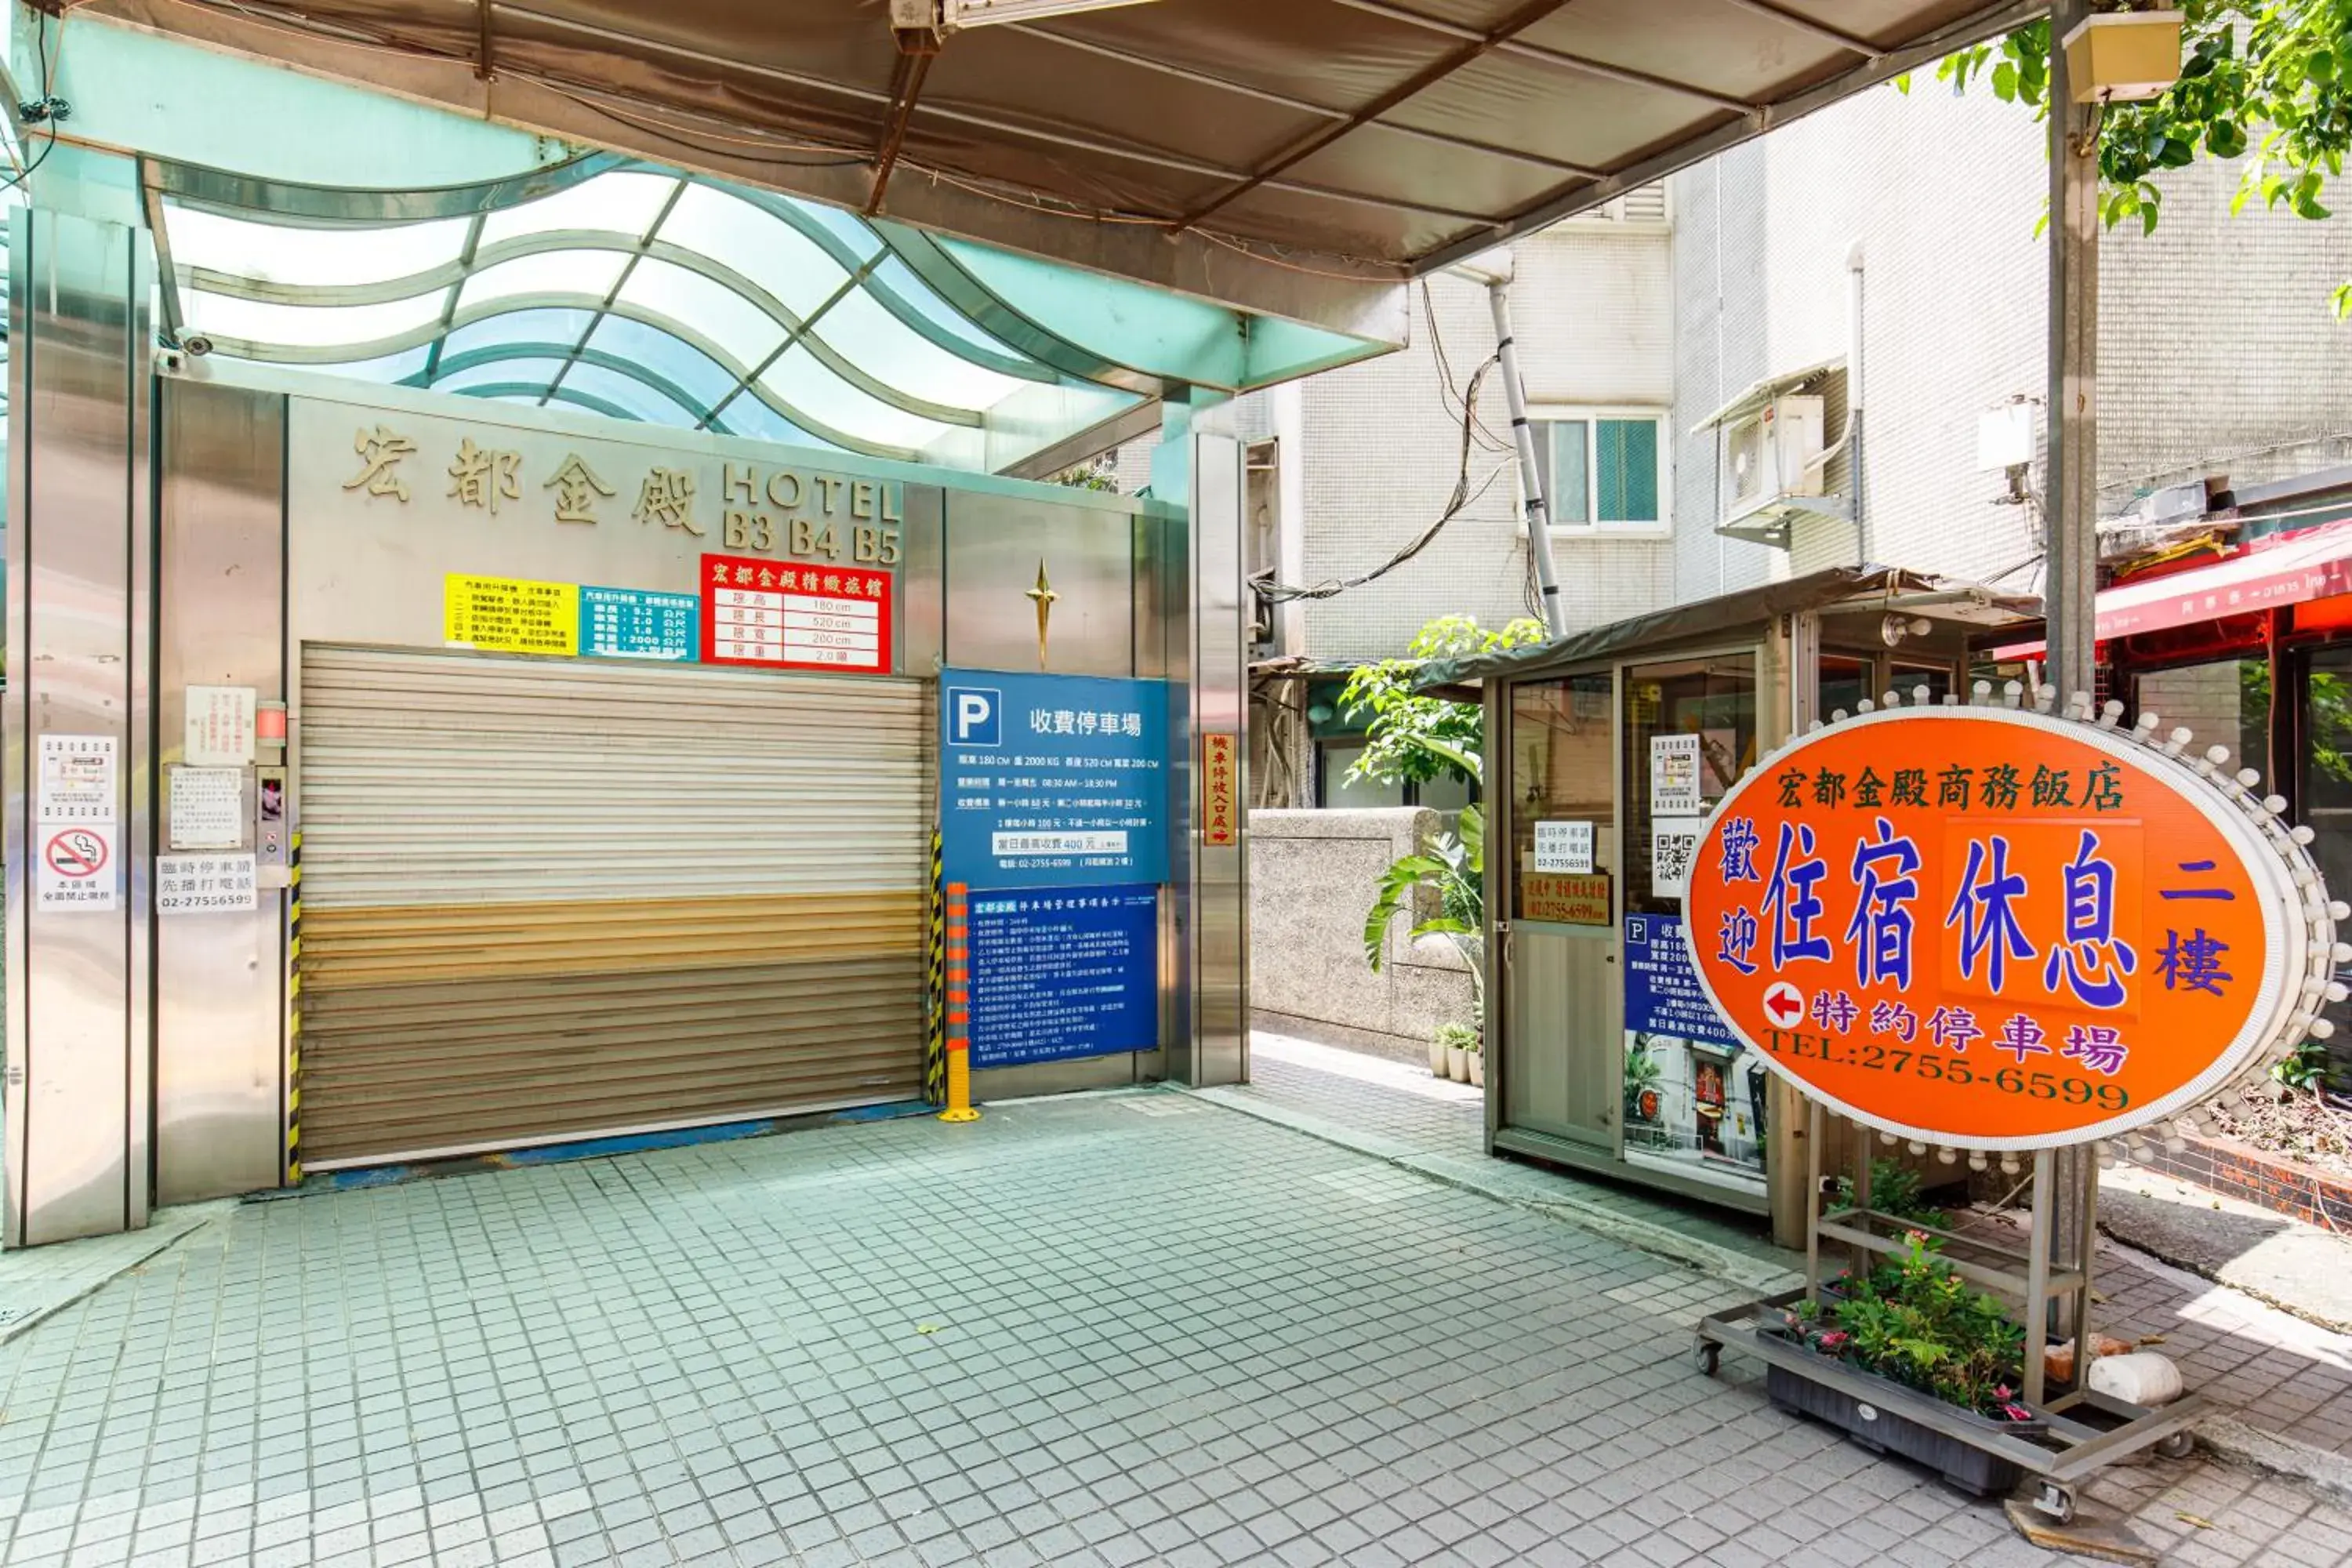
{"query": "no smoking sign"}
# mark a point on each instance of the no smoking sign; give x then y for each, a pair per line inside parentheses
(74, 870)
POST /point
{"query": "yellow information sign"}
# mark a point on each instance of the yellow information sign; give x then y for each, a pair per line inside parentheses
(508, 615)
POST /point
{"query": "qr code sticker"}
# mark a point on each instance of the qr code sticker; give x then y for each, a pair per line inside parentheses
(1672, 856)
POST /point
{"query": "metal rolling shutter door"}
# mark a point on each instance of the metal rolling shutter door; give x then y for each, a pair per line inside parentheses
(543, 900)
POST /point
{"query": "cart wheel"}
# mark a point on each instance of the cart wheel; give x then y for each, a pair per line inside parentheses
(2057, 1501)
(1709, 1357)
(2178, 1445)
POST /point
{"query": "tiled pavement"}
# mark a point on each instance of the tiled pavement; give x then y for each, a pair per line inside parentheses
(1107, 1330)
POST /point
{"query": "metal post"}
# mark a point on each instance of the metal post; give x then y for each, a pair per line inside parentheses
(2070, 510)
(2037, 1275)
(1499, 298)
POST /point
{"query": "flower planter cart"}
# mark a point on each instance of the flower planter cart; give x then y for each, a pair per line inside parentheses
(2075, 1432)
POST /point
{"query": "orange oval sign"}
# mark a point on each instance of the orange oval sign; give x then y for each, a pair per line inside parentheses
(1991, 928)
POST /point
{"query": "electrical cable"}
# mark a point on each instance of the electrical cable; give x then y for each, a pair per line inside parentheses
(48, 108)
(1463, 495)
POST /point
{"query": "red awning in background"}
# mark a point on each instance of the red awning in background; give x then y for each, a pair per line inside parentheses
(2280, 570)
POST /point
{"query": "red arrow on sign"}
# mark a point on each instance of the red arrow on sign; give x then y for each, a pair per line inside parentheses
(1784, 1004)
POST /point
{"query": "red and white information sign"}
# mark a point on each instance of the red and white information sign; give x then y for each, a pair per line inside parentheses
(791, 614)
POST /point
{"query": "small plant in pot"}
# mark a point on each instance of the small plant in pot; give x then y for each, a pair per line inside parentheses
(1458, 1041)
(1915, 1321)
(1914, 1327)
(1477, 1058)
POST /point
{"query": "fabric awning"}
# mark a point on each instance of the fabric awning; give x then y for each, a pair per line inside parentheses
(2283, 569)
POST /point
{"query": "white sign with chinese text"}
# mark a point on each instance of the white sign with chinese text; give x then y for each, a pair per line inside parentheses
(204, 884)
(1674, 777)
(1564, 847)
(205, 808)
(77, 783)
(220, 727)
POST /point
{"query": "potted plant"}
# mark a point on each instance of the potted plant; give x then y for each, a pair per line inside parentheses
(1459, 1039)
(1438, 1049)
(1477, 1060)
(1912, 1326)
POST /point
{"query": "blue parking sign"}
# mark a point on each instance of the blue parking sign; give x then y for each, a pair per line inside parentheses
(1052, 781)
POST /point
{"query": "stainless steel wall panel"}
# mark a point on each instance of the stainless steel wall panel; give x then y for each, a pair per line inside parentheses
(220, 991)
(996, 546)
(922, 584)
(1220, 703)
(78, 551)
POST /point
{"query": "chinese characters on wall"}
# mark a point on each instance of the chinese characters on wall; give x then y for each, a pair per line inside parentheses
(801, 514)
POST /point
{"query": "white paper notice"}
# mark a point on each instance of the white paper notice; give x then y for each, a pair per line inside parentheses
(206, 807)
(220, 727)
(1674, 776)
(1674, 845)
(77, 869)
(1565, 847)
(204, 884)
(77, 779)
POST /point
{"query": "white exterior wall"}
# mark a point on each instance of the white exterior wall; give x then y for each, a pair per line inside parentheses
(2217, 350)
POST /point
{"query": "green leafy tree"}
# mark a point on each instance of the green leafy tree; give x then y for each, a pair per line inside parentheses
(2273, 77)
(1409, 736)
(1453, 869)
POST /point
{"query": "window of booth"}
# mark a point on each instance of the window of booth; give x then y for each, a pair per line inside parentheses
(1690, 732)
(1845, 680)
(1564, 800)
(1694, 1097)
(2323, 799)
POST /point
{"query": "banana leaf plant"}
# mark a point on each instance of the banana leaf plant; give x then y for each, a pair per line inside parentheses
(1453, 867)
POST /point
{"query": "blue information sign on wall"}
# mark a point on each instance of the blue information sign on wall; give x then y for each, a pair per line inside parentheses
(635, 622)
(1662, 989)
(1052, 781)
(1059, 973)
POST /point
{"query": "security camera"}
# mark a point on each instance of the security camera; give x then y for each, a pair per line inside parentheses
(198, 345)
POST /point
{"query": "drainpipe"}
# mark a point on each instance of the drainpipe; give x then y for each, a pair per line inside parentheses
(1494, 269)
(1852, 437)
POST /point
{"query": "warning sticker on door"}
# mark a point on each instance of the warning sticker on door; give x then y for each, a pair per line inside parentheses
(75, 870)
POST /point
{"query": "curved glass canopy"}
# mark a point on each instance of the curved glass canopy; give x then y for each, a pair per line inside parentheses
(638, 292)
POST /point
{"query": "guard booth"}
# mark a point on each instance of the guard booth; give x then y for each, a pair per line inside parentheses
(1605, 751)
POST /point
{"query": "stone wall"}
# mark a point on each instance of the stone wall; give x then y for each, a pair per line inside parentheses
(1313, 876)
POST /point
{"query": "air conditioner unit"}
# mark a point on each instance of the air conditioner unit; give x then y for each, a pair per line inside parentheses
(1773, 460)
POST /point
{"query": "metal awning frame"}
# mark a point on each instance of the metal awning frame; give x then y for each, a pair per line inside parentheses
(1183, 253)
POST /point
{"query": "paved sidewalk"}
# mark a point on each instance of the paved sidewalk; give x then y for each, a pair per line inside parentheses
(1106, 1330)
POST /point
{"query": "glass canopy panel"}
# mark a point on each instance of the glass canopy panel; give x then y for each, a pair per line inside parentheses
(737, 327)
(539, 373)
(701, 377)
(310, 258)
(572, 272)
(387, 368)
(759, 244)
(800, 383)
(308, 326)
(626, 202)
(921, 296)
(542, 326)
(642, 402)
(862, 333)
(748, 417)
(847, 229)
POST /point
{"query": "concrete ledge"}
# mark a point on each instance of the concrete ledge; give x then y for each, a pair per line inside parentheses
(2227, 1438)
(1525, 1187)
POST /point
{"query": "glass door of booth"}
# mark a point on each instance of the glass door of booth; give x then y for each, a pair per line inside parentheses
(1561, 995)
(1694, 1098)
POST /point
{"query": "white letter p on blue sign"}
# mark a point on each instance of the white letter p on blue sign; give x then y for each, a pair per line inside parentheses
(973, 716)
